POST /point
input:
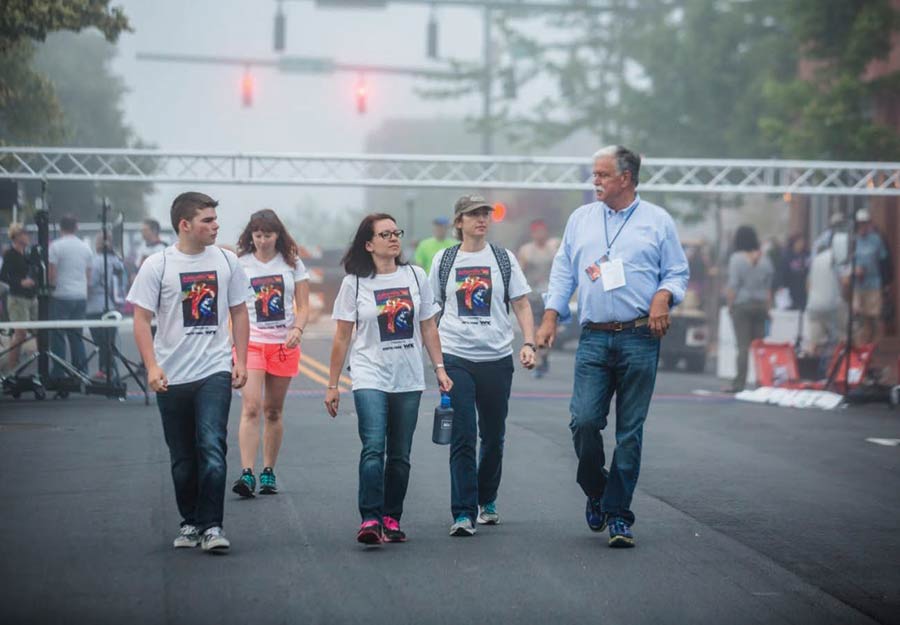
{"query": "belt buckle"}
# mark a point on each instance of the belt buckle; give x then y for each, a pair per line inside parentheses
(618, 326)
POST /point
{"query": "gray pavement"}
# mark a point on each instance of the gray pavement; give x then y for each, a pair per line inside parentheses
(746, 514)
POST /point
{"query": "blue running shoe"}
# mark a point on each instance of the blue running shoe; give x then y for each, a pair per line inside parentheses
(267, 482)
(620, 534)
(245, 485)
(596, 520)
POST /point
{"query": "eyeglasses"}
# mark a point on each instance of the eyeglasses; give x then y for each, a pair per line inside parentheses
(387, 234)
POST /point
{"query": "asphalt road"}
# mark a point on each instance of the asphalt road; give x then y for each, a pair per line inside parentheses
(746, 514)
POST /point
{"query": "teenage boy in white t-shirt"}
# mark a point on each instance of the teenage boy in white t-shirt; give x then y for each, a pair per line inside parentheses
(193, 287)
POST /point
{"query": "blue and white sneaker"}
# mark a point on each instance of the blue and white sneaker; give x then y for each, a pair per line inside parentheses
(462, 526)
(488, 514)
(594, 516)
(620, 533)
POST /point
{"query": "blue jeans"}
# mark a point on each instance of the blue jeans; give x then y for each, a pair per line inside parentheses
(481, 387)
(623, 363)
(64, 310)
(387, 422)
(195, 424)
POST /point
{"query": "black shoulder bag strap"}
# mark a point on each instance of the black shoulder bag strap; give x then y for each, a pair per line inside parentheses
(447, 260)
(502, 257)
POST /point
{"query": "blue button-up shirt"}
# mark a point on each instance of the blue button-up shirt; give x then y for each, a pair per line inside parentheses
(643, 236)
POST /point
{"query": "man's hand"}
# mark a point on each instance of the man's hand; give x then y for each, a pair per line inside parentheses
(332, 401)
(659, 313)
(238, 375)
(527, 356)
(27, 283)
(157, 380)
(546, 333)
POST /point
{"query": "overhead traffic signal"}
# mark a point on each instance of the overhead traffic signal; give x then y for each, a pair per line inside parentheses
(280, 29)
(248, 86)
(499, 213)
(362, 96)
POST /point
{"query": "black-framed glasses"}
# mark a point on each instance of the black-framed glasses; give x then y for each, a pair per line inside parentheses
(387, 234)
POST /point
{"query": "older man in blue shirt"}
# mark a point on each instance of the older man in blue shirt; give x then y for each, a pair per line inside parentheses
(624, 257)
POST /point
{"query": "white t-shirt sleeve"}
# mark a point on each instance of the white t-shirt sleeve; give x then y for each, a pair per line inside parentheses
(145, 289)
(239, 285)
(300, 272)
(429, 307)
(345, 302)
(434, 278)
(518, 285)
(53, 254)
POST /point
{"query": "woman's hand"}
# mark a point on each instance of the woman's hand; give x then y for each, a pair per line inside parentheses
(528, 356)
(332, 401)
(293, 338)
(444, 381)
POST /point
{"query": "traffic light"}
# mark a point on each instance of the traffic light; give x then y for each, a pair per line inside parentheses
(499, 213)
(247, 88)
(362, 95)
(280, 29)
(432, 42)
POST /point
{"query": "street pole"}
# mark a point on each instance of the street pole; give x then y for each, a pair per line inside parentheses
(487, 136)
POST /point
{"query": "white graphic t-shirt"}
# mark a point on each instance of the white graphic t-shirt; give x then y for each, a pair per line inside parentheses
(386, 354)
(271, 300)
(191, 295)
(475, 324)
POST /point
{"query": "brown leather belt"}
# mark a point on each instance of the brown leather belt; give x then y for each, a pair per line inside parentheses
(618, 326)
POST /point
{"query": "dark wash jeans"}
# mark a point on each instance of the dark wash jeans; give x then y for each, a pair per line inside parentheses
(482, 388)
(65, 310)
(195, 424)
(387, 422)
(623, 363)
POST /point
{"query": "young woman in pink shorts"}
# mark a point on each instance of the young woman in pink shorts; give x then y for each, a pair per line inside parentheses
(278, 305)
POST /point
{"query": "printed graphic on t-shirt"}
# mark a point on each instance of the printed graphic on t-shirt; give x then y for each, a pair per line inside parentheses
(473, 291)
(269, 298)
(200, 299)
(396, 314)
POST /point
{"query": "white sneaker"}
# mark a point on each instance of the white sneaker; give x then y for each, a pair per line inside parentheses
(463, 526)
(487, 514)
(187, 538)
(214, 541)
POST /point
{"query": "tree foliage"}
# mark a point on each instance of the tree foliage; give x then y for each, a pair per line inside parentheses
(714, 78)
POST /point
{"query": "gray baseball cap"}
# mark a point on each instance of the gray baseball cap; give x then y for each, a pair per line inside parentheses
(469, 203)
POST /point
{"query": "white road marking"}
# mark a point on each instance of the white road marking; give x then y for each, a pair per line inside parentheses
(887, 442)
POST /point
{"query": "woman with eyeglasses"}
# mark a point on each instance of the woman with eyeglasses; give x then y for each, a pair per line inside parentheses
(278, 305)
(478, 284)
(392, 306)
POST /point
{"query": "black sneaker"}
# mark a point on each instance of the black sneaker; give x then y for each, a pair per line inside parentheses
(246, 484)
(594, 516)
(267, 482)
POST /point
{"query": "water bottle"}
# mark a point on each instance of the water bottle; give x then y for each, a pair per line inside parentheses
(442, 431)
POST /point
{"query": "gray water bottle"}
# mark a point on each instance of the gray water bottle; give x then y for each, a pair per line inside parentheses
(442, 432)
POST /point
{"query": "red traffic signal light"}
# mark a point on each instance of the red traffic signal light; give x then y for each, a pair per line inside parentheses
(362, 95)
(248, 86)
(499, 213)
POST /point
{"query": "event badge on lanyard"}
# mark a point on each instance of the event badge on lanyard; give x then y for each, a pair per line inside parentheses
(611, 272)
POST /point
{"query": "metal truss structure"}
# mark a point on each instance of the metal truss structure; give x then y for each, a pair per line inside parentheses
(676, 175)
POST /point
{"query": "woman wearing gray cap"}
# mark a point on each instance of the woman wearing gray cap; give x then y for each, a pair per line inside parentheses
(476, 284)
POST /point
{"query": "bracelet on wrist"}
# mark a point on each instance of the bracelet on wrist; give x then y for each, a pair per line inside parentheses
(297, 328)
(332, 388)
(440, 366)
(531, 345)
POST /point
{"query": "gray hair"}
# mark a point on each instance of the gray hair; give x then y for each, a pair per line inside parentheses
(625, 159)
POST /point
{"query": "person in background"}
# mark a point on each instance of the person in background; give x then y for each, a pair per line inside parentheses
(21, 301)
(69, 273)
(795, 269)
(536, 258)
(868, 302)
(749, 297)
(152, 242)
(107, 271)
(427, 248)
(825, 309)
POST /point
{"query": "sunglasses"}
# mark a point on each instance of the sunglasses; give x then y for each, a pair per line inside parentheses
(387, 234)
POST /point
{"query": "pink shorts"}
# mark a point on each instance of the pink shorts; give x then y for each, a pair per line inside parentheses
(273, 358)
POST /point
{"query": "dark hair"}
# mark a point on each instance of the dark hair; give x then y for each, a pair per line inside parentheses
(357, 260)
(745, 239)
(267, 221)
(153, 225)
(189, 204)
(68, 223)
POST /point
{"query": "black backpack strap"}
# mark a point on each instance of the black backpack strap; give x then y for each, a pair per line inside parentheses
(356, 301)
(447, 260)
(505, 265)
(161, 275)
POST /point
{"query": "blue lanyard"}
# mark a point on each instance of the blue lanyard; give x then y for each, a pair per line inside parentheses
(609, 243)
